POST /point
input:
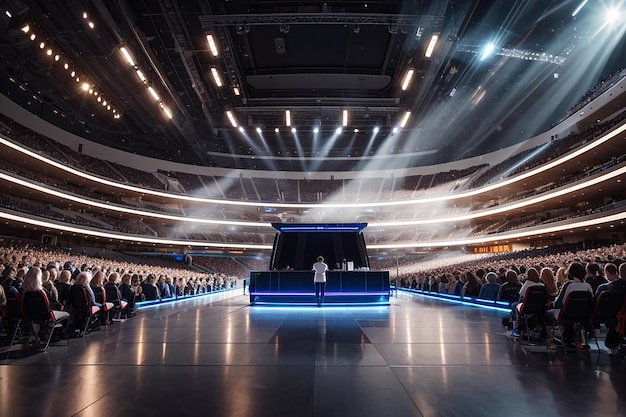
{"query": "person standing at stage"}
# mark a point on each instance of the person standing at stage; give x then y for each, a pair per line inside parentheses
(319, 279)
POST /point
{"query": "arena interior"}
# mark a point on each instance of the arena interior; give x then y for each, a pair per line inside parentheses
(147, 147)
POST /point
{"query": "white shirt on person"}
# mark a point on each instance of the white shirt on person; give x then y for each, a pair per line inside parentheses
(320, 269)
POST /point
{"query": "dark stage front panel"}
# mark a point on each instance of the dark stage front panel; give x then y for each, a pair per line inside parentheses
(297, 287)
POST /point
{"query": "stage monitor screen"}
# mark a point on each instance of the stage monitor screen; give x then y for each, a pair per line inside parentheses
(297, 246)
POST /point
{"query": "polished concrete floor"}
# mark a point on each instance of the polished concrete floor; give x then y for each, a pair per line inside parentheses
(218, 356)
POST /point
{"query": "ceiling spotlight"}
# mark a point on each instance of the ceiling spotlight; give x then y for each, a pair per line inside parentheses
(293, 130)
(236, 91)
(212, 45)
(376, 129)
(431, 46)
(407, 79)
(85, 87)
(287, 118)
(57, 57)
(25, 28)
(216, 77)
(42, 45)
(49, 52)
(395, 130)
(231, 118)
(241, 129)
(276, 130)
(356, 130)
(84, 15)
(129, 58)
(154, 94)
(338, 130)
(316, 130)
(258, 130)
(345, 118)
(405, 119)
(32, 36)
(91, 25)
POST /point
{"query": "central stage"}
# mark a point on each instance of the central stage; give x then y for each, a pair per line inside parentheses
(342, 287)
(296, 248)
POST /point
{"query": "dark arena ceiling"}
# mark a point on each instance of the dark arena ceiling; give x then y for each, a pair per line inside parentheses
(485, 75)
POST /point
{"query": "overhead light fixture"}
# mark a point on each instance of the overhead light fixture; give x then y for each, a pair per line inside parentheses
(376, 129)
(42, 45)
(419, 32)
(345, 118)
(154, 94)
(287, 118)
(57, 57)
(241, 129)
(276, 130)
(316, 130)
(293, 130)
(231, 118)
(405, 119)
(356, 130)
(338, 130)
(167, 111)
(141, 76)
(236, 91)
(216, 77)
(431, 46)
(84, 15)
(91, 25)
(25, 28)
(407, 79)
(212, 45)
(129, 58)
(32, 36)
(85, 87)
(258, 130)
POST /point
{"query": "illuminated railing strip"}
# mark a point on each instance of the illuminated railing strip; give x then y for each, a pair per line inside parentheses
(424, 200)
(128, 238)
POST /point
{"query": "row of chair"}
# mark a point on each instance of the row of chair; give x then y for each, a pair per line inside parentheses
(579, 310)
(33, 308)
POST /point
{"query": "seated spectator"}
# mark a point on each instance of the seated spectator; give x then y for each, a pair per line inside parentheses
(594, 276)
(149, 288)
(532, 279)
(547, 278)
(490, 290)
(164, 288)
(561, 277)
(443, 284)
(472, 285)
(610, 271)
(135, 283)
(114, 296)
(33, 282)
(509, 291)
(9, 277)
(455, 286)
(127, 293)
(63, 288)
(576, 274)
(51, 291)
(97, 284)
